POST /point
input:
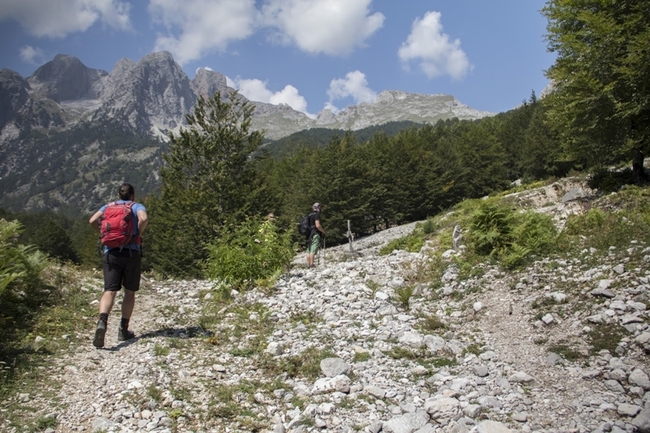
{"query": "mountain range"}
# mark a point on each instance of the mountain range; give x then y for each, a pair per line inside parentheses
(70, 133)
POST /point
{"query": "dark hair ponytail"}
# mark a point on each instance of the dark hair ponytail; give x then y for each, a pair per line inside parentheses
(126, 192)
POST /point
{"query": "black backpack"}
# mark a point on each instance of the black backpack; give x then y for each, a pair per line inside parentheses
(304, 228)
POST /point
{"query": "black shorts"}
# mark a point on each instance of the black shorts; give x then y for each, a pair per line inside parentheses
(122, 268)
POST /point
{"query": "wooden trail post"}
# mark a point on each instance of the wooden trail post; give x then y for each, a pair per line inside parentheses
(350, 236)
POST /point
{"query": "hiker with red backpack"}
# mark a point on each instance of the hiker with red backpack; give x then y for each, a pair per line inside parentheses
(121, 224)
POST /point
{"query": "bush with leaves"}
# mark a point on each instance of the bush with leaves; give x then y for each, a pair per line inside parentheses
(411, 243)
(606, 180)
(511, 237)
(249, 254)
(19, 264)
(490, 228)
(618, 220)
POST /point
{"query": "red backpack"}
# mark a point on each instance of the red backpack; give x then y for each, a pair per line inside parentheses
(117, 225)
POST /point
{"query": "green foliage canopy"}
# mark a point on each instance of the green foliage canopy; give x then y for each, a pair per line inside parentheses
(251, 252)
(207, 183)
(601, 103)
(19, 264)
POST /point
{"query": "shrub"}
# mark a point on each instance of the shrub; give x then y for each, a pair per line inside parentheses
(536, 232)
(533, 233)
(429, 226)
(602, 229)
(491, 228)
(411, 243)
(404, 295)
(19, 264)
(607, 181)
(497, 231)
(251, 252)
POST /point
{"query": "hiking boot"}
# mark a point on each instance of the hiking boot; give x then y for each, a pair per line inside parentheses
(124, 334)
(100, 332)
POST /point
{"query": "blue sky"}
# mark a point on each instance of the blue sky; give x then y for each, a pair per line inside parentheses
(310, 54)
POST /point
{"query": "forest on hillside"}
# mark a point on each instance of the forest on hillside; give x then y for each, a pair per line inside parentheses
(218, 178)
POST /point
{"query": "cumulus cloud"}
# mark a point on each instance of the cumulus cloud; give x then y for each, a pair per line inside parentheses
(207, 68)
(257, 90)
(59, 18)
(354, 85)
(333, 27)
(198, 27)
(436, 54)
(31, 55)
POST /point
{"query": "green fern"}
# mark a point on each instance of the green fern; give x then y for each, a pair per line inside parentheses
(491, 229)
(18, 263)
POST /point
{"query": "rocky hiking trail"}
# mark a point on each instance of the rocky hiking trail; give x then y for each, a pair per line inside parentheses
(492, 353)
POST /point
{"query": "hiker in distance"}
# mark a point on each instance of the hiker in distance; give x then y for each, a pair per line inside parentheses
(313, 239)
(121, 225)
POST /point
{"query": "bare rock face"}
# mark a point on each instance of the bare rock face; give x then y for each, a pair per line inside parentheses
(153, 95)
(65, 78)
(13, 95)
(389, 106)
(392, 105)
(206, 83)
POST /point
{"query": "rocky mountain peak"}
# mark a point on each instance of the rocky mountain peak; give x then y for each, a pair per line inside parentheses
(207, 82)
(152, 95)
(13, 94)
(65, 78)
(395, 105)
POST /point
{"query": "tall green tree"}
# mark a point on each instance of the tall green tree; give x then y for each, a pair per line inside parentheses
(541, 156)
(343, 186)
(511, 133)
(51, 238)
(209, 183)
(601, 102)
(483, 158)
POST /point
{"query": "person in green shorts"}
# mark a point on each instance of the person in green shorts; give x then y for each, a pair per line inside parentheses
(317, 231)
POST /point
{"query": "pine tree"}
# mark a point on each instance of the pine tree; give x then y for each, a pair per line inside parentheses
(208, 183)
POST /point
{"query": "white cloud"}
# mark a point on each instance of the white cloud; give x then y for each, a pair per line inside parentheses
(197, 27)
(437, 55)
(207, 68)
(31, 55)
(257, 90)
(333, 27)
(59, 18)
(354, 85)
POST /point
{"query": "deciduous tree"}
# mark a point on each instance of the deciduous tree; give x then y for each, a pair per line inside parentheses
(601, 102)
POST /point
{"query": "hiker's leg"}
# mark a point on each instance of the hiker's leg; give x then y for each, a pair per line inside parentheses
(312, 249)
(123, 333)
(106, 302)
(105, 307)
(112, 282)
(128, 303)
(132, 273)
